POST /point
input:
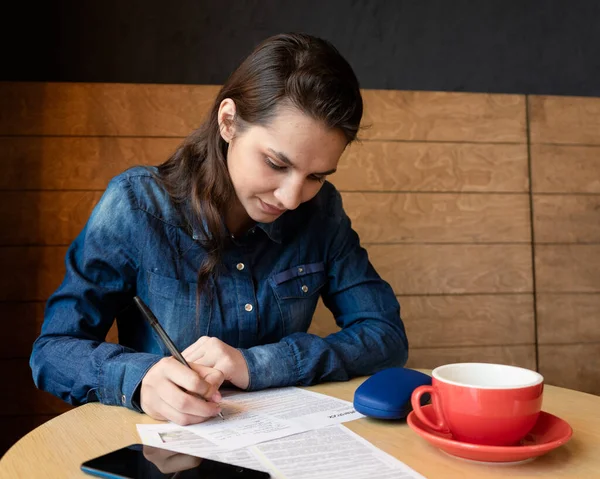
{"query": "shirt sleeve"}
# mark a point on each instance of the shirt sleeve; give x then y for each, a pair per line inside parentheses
(71, 359)
(372, 335)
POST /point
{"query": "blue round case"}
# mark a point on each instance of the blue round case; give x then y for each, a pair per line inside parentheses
(386, 394)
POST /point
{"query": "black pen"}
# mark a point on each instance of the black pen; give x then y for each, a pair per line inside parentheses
(149, 315)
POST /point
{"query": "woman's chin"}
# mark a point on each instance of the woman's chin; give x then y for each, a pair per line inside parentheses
(261, 217)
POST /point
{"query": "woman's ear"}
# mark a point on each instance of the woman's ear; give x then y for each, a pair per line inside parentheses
(226, 118)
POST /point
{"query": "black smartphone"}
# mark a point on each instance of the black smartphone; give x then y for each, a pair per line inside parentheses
(139, 461)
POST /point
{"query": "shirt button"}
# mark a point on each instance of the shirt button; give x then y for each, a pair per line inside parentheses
(123, 399)
(240, 266)
(304, 288)
(248, 307)
(300, 270)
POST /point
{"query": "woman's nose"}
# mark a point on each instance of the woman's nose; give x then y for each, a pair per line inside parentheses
(290, 194)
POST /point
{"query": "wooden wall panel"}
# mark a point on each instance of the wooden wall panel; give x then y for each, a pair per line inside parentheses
(565, 169)
(444, 167)
(567, 218)
(454, 269)
(29, 316)
(435, 116)
(56, 217)
(565, 164)
(81, 163)
(445, 329)
(75, 163)
(411, 269)
(468, 320)
(103, 109)
(437, 218)
(44, 218)
(567, 268)
(32, 272)
(568, 318)
(31, 400)
(574, 366)
(429, 358)
(461, 320)
(564, 119)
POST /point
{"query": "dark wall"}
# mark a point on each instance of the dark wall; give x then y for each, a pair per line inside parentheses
(508, 46)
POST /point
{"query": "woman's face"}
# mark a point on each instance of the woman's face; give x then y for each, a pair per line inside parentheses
(276, 168)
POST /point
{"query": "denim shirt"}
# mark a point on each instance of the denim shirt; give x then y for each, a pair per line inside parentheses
(261, 300)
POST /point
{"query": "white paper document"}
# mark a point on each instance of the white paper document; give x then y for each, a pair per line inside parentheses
(255, 417)
(332, 452)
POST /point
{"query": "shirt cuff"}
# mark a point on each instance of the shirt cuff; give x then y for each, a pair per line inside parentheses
(271, 365)
(121, 378)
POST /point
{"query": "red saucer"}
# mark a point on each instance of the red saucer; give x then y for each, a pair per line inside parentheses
(548, 433)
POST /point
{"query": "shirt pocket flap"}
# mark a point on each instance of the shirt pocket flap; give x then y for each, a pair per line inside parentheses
(300, 281)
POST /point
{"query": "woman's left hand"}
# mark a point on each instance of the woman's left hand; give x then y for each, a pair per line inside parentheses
(214, 353)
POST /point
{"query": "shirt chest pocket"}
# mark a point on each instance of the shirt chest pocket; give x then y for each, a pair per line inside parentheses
(297, 292)
(163, 288)
(174, 303)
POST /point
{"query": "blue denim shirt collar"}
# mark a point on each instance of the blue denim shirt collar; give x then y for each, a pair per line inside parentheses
(272, 230)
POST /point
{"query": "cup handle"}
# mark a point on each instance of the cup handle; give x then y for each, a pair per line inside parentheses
(440, 424)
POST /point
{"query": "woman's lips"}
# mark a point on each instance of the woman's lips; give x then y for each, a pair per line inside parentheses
(270, 209)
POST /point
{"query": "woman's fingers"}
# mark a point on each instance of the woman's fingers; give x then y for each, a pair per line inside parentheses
(179, 394)
(211, 375)
(191, 379)
(184, 408)
(214, 353)
(195, 351)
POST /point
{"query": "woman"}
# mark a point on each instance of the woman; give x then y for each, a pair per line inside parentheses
(230, 242)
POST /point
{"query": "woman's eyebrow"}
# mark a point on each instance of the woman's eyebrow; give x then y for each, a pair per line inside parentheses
(284, 159)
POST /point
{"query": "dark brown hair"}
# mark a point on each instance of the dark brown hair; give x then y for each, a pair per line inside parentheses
(298, 69)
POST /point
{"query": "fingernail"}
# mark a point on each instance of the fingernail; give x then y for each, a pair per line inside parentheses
(216, 397)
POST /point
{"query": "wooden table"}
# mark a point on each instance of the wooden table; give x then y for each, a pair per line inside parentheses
(58, 447)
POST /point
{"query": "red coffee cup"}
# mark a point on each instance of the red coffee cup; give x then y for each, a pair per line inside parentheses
(480, 403)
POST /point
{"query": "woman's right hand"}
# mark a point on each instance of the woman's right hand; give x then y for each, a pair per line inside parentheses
(171, 391)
